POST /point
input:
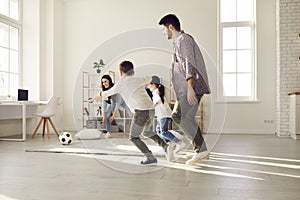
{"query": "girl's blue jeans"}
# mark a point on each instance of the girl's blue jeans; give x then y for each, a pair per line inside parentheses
(162, 130)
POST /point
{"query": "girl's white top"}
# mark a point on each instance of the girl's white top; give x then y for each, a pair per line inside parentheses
(162, 110)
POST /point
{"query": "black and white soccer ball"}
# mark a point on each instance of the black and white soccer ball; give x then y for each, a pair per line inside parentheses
(65, 138)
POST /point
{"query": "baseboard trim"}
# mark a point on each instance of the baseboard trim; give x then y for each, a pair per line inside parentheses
(250, 132)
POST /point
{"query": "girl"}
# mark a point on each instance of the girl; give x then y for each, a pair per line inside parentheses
(163, 114)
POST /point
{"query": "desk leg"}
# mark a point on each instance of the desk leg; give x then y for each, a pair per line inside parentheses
(24, 122)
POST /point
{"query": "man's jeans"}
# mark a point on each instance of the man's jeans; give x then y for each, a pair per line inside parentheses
(184, 116)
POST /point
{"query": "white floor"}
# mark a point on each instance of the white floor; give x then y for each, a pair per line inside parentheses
(241, 167)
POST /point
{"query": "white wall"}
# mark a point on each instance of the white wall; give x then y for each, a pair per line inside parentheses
(87, 24)
(30, 48)
(87, 28)
(43, 52)
(249, 117)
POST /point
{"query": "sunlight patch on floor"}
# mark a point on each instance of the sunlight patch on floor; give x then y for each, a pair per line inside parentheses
(256, 157)
(256, 162)
(3, 197)
(163, 163)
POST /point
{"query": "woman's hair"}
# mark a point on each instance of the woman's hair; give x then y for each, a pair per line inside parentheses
(109, 81)
(161, 92)
(110, 86)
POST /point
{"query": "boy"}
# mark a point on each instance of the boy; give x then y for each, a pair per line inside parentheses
(132, 90)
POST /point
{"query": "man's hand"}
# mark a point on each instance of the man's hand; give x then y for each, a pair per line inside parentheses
(191, 97)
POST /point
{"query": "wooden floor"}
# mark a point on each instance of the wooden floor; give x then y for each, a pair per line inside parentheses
(242, 167)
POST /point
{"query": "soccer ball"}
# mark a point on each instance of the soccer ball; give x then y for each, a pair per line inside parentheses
(65, 138)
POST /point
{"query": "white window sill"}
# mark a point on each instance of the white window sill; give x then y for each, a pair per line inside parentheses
(238, 101)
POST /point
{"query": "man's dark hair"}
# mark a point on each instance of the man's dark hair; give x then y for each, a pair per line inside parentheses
(127, 67)
(170, 19)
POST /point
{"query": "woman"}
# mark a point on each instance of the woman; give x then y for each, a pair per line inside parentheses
(108, 106)
(111, 105)
(163, 114)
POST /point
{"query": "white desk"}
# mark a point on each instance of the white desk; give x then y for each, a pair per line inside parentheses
(19, 110)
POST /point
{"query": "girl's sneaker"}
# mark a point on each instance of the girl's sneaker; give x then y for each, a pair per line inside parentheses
(107, 135)
(169, 153)
(179, 147)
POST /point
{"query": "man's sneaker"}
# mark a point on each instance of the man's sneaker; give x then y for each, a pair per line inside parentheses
(152, 161)
(197, 158)
(179, 147)
(169, 152)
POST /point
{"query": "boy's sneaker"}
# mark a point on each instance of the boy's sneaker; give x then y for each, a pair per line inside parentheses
(169, 152)
(197, 158)
(179, 147)
(152, 161)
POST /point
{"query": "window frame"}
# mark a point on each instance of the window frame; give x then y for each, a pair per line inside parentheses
(221, 25)
(18, 25)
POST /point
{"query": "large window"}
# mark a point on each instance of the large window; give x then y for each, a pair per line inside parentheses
(10, 31)
(237, 50)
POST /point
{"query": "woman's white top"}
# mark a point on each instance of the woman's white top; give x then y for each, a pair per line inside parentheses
(162, 110)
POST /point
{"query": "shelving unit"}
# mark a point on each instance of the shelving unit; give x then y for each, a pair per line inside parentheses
(294, 118)
(90, 88)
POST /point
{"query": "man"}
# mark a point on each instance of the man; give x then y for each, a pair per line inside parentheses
(190, 82)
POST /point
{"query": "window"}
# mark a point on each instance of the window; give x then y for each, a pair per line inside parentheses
(237, 50)
(10, 29)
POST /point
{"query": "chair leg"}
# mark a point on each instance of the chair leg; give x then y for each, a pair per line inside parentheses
(37, 128)
(48, 129)
(44, 126)
(54, 128)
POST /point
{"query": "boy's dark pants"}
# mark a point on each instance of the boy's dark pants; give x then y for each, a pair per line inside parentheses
(142, 123)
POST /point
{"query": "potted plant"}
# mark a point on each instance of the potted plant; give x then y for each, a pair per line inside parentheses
(99, 65)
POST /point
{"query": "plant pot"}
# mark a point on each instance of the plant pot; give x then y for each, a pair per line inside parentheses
(98, 71)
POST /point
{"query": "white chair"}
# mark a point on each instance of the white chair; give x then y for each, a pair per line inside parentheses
(46, 114)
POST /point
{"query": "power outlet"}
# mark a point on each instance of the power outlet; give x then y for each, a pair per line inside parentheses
(268, 121)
